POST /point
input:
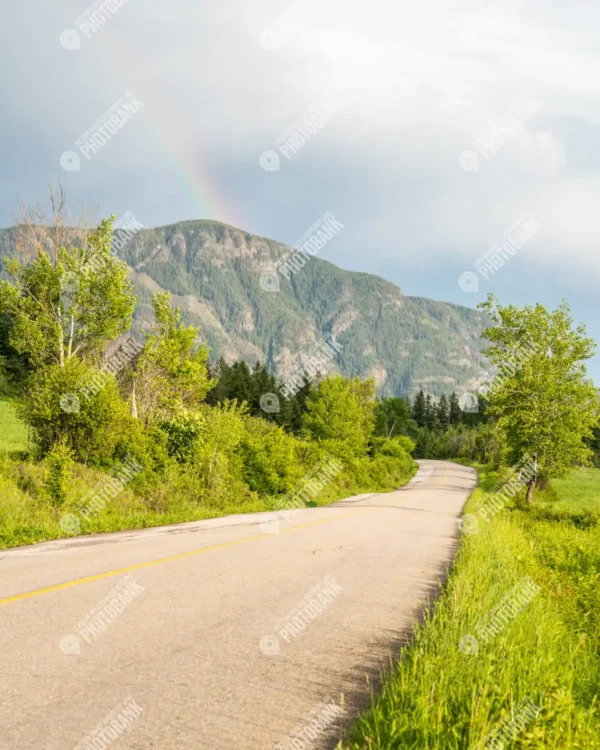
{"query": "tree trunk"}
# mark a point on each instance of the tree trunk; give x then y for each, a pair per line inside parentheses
(532, 480)
(134, 411)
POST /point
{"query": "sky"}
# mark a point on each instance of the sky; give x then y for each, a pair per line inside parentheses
(435, 132)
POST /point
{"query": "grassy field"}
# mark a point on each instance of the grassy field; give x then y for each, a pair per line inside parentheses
(532, 682)
(13, 433)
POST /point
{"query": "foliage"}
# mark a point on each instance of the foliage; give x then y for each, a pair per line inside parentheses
(58, 461)
(56, 413)
(544, 404)
(68, 304)
(340, 413)
(270, 459)
(443, 699)
(171, 372)
(397, 447)
(183, 430)
(393, 417)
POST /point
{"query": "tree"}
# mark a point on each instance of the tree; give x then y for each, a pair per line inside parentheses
(340, 410)
(171, 372)
(419, 413)
(455, 411)
(430, 412)
(68, 302)
(544, 403)
(443, 412)
(393, 417)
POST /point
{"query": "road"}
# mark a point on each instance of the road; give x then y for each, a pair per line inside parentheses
(236, 632)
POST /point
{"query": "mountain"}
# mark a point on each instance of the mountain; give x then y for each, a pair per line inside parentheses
(214, 273)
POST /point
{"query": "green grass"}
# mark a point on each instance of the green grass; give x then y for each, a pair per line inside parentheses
(13, 433)
(579, 491)
(440, 698)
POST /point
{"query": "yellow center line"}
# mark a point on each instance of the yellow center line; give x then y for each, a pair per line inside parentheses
(171, 558)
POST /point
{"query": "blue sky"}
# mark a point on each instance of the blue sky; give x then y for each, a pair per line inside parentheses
(413, 89)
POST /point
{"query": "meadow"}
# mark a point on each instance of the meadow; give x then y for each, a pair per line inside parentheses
(533, 684)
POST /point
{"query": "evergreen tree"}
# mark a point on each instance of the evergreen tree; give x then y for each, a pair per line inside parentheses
(455, 412)
(443, 412)
(419, 413)
(430, 412)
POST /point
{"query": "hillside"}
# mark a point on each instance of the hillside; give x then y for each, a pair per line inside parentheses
(214, 270)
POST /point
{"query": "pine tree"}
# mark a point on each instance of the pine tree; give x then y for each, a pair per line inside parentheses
(419, 413)
(443, 412)
(455, 412)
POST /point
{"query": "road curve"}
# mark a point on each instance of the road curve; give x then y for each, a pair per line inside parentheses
(238, 632)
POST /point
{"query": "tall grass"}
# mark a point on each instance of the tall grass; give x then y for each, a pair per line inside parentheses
(441, 698)
(13, 433)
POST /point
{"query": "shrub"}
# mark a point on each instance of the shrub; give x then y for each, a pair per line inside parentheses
(269, 457)
(57, 411)
(183, 432)
(58, 462)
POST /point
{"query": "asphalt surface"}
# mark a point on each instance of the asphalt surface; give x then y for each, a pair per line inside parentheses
(239, 632)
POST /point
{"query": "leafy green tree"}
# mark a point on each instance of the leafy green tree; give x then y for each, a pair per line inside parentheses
(68, 304)
(540, 395)
(340, 411)
(171, 372)
(393, 418)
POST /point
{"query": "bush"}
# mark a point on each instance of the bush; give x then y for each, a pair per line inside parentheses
(58, 462)
(397, 447)
(269, 458)
(58, 412)
(183, 432)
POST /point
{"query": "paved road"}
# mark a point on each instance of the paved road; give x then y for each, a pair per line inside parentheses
(222, 633)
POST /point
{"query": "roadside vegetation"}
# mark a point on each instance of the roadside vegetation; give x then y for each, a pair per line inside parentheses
(440, 697)
(101, 432)
(490, 666)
